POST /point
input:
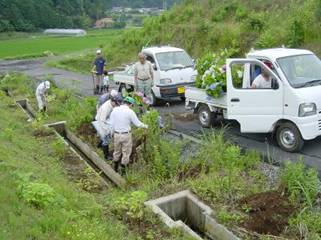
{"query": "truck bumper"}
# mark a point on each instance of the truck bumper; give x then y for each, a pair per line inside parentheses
(171, 91)
(310, 127)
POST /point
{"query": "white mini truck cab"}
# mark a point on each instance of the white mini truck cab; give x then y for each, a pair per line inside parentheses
(173, 70)
(290, 108)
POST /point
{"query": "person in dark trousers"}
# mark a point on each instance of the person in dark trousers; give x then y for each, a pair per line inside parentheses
(98, 70)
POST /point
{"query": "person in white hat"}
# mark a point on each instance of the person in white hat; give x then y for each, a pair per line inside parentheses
(98, 69)
(41, 93)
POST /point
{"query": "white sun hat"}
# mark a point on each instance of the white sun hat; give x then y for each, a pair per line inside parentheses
(98, 51)
(47, 84)
(113, 93)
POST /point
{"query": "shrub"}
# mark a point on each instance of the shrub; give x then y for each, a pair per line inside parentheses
(310, 221)
(131, 205)
(38, 194)
(301, 183)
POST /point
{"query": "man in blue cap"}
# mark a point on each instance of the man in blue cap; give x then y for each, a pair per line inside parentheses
(121, 119)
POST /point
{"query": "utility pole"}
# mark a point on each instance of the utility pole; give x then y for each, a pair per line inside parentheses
(164, 5)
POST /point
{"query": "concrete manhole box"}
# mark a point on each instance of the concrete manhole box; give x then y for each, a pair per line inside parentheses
(184, 210)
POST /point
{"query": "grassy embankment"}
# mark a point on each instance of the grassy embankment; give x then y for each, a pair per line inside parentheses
(209, 25)
(18, 46)
(231, 182)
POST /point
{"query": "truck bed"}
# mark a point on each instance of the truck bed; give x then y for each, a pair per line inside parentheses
(197, 95)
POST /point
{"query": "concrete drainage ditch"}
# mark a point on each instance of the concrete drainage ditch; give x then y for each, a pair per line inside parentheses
(91, 157)
(183, 210)
(26, 107)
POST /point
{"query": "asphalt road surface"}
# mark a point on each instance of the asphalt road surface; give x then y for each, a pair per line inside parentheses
(182, 121)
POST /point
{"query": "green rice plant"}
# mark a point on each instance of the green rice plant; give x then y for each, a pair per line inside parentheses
(302, 184)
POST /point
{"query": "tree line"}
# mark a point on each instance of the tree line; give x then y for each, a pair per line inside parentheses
(32, 15)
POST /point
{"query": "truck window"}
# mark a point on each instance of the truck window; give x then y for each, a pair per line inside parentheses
(150, 59)
(239, 75)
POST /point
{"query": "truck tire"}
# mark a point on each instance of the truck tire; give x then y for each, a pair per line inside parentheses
(289, 137)
(154, 100)
(123, 90)
(206, 117)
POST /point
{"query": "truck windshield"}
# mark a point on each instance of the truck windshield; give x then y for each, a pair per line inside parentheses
(302, 70)
(174, 60)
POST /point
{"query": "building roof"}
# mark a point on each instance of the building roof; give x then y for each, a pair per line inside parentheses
(275, 53)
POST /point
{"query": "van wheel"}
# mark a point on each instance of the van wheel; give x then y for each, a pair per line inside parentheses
(289, 137)
(206, 117)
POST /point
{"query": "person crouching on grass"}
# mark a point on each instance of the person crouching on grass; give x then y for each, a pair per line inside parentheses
(121, 119)
(41, 95)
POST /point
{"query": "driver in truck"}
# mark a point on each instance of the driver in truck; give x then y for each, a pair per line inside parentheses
(263, 81)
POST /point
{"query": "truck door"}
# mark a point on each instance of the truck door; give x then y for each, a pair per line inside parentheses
(256, 109)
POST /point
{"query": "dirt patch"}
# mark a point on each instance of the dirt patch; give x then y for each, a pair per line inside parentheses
(192, 172)
(83, 175)
(88, 134)
(269, 212)
(185, 117)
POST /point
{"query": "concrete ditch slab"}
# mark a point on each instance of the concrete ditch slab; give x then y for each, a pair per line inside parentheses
(27, 108)
(184, 210)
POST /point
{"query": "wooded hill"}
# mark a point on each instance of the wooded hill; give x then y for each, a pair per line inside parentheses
(31, 15)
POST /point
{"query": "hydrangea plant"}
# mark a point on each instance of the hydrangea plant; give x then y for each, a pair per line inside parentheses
(212, 72)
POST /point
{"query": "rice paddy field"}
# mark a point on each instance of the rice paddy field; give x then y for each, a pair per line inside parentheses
(17, 46)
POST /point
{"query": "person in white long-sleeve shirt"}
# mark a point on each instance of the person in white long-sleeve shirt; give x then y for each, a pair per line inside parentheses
(102, 124)
(121, 119)
(41, 92)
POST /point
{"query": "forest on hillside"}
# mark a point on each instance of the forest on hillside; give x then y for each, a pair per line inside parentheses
(31, 15)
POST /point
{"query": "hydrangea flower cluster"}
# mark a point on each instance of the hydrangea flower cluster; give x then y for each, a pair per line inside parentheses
(211, 70)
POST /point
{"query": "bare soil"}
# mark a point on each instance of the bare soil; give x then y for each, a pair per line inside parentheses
(88, 134)
(79, 172)
(269, 212)
(185, 117)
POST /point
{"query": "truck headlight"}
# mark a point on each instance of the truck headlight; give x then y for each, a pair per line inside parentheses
(165, 81)
(193, 78)
(307, 109)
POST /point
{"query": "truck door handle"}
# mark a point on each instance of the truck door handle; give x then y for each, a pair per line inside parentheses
(235, 100)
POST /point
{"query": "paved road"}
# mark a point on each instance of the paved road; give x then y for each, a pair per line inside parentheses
(311, 153)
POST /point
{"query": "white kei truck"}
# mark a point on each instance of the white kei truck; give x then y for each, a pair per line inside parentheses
(290, 109)
(173, 71)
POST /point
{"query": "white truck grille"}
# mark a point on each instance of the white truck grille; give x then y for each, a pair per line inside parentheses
(319, 125)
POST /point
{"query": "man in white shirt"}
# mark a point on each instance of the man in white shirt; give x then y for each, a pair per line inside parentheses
(41, 92)
(102, 124)
(144, 76)
(121, 119)
(263, 81)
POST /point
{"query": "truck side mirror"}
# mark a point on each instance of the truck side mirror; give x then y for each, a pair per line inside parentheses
(154, 66)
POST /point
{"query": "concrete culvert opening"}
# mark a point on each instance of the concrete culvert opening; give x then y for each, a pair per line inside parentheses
(184, 210)
(85, 152)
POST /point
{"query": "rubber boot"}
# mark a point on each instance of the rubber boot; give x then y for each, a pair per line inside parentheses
(99, 144)
(97, 89)
(106, 151)
(123, 169)
(116, 166)
(101, 89)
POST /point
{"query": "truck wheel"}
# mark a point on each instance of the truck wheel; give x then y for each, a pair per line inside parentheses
(154, 100)
(123, 90)
(289, 137)
(205, 116)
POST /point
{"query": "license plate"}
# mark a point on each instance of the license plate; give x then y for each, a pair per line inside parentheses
(181, 90)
